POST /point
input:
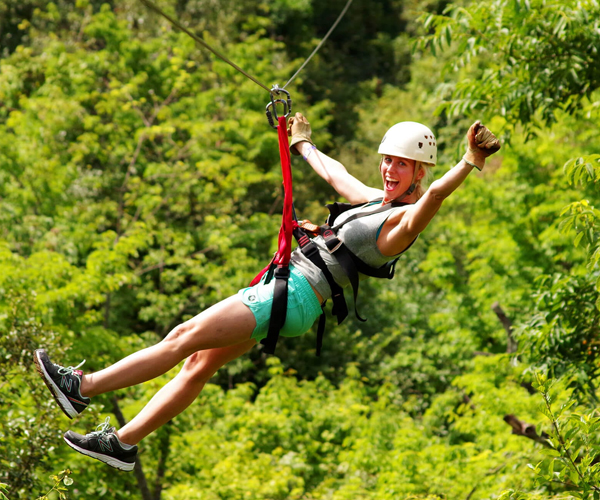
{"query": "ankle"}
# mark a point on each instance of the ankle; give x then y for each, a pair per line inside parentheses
(124, 439)
(85, 387)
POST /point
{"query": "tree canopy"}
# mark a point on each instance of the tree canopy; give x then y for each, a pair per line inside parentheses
(139, 184)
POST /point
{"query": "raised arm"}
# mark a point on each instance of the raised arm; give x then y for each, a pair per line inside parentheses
(329, 169)
(400, 230)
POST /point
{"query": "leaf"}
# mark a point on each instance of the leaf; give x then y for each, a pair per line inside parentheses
(448, 35)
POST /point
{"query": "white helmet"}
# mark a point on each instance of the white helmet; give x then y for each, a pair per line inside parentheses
(410, 140)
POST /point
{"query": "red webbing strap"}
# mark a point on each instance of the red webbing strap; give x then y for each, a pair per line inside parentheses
(282, 257)
(284, 250)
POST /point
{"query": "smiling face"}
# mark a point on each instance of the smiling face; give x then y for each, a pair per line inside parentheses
(397, 176)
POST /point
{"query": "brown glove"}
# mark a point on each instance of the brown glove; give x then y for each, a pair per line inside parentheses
(299, 131)
(486, 140)
(481, 144)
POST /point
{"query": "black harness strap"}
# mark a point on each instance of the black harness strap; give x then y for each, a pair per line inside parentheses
(344, 257)
(386, 271)
(339, 309)
(279, 309)
(311, 252)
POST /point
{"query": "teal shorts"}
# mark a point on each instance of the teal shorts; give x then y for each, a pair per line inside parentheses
(302, 310)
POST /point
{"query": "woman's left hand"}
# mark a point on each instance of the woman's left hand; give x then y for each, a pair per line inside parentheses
(482, 142)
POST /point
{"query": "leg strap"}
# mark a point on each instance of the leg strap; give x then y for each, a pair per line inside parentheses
(321, 331)
(278, 309)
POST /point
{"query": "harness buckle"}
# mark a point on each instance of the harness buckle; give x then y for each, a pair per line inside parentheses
(332, 250)
(282, 272)
(332, 242)
(278, 96)
(309, 227)
(392, 269)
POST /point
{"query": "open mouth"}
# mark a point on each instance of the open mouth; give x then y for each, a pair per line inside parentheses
(390, 185)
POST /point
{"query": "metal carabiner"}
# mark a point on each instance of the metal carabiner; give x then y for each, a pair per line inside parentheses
(271, 107)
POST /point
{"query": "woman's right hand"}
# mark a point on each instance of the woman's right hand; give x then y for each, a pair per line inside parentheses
(299, 130)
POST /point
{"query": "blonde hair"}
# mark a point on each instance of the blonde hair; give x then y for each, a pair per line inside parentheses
(423, 183)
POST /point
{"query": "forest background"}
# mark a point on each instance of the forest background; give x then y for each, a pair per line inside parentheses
(139, 184)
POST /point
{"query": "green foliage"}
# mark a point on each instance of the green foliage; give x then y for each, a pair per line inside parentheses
(572, 462)
(26, 438)
(583, 167)
(62, 478)
(562, 336)
(523, 60)
(584, 219)
(312, 440)
(139, 184)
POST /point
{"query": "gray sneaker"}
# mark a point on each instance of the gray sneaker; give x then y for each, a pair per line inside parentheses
(104, 445)
(64, 383)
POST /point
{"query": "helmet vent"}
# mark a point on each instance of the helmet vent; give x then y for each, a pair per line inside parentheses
(421, 145)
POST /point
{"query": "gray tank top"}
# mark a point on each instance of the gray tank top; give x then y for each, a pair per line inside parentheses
(359, 236)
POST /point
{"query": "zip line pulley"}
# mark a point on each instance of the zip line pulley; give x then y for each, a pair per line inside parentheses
(278, 96)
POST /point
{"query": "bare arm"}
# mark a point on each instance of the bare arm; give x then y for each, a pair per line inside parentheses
(402, 228)
(329, 169)
(337, 176)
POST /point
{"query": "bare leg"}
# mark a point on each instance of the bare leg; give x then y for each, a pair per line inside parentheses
(180, 392)
(227, 323)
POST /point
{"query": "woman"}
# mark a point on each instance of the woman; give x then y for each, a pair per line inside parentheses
(230, 328)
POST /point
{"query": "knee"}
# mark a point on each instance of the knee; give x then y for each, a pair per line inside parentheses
(198, 368)
(179, 337)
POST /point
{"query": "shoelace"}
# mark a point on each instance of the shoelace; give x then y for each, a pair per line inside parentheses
(103, 428)
(70, 370)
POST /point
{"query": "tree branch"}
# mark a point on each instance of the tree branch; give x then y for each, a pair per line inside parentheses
(164, 449)
(521, 428)
(511, 345)
(137, 469)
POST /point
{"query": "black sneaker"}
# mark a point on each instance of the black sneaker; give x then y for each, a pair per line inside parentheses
(64, 383)
(104, 445)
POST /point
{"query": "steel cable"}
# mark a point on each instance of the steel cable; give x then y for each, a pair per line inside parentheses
(320, 43)
(202, 42)
(199, 40)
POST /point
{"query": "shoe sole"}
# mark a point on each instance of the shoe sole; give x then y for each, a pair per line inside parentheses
(113, 462)
(59, 397)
